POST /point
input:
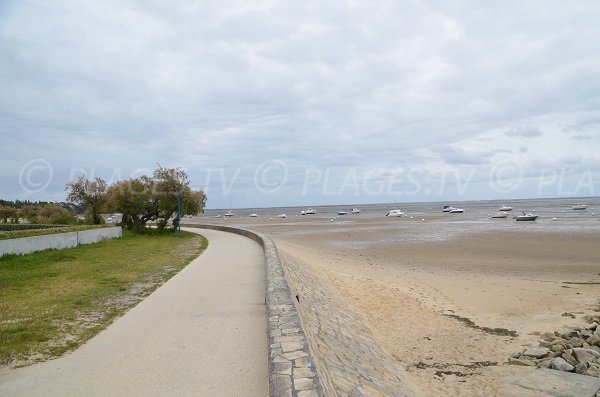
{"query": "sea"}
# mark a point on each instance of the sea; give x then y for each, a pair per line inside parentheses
(554, 214)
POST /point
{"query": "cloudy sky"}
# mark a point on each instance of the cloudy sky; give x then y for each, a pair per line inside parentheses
(271, 103)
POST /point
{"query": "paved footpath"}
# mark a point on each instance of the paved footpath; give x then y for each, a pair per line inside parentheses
(203, 333)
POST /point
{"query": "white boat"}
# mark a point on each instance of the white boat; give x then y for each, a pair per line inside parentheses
(456, 210)
(447, 208)
(526, 217)
(310, 211)
(355, 211)
(283, 216)
(253, 215)
(342, 213)
(579, 207)
(506, 208)
(302, 212)
(229, 214)
(499, 215)
(218, 216)
(395, 213)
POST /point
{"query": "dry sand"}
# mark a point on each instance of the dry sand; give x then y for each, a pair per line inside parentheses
(411, 283)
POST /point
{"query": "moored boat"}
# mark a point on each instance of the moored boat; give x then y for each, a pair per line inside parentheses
(355, 211)
(397, 213)
(457, 210)
(499, 215)
(342, 213)
(506, 208)
(526, 217)
(579, 206)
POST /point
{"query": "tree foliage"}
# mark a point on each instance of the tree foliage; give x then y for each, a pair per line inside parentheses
(89, 193)
(154, 198)
(51, 214)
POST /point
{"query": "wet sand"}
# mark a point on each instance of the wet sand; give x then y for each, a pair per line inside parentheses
(446, 300)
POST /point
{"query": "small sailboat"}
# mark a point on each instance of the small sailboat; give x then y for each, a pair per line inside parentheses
(355, 211)
(229, 214)
(457, 210)
(310, 211)
(499, 215)
(579, 206)
(342, 213)
(397, 213)
(506, 208)
(253, 215)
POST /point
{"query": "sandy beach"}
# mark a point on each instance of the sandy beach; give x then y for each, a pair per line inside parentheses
(445, 298)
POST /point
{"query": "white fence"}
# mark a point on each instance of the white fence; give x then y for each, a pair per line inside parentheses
(59, 241)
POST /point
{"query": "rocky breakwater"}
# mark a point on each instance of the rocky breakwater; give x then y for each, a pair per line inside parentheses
(575, 350)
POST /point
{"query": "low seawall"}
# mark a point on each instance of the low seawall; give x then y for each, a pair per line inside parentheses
(292, 370)
(27, 245)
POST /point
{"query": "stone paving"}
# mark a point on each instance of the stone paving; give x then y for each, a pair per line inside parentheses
(350, 361)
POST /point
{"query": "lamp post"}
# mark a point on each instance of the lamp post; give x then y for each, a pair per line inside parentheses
(179, 213)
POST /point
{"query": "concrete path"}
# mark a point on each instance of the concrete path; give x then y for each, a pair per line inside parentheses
(203, 333)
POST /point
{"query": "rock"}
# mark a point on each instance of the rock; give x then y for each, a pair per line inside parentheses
(521, 361)
(592, 326)
(591, 352)
(582, 356)
(593, 370)
(558, 347)
(581, 368)
(561, 365)
(545, 363)
(575, 342)
(567, 314)
(536, 352)
(567, 355)
(594, 340)
(570, 334)
(548, 336)
(586, 333)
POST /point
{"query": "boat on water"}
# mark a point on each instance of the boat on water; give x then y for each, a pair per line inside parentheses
(342, 213)
(229, 214)
(397, 213)
(282, 216)
(499, 215)
(355, 211)
(310, 211)
(579, 206)
(253, 215)
(457, 210)
(526, 217)
(218, 216)
(506, 208)
(447, 208)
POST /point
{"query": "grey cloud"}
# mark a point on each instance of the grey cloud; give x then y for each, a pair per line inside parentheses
(524, 131)
(122, 86)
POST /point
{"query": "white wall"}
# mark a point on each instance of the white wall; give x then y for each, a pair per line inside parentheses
(27, 245)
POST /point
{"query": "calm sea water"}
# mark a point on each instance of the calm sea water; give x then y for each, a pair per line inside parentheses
(554, 215)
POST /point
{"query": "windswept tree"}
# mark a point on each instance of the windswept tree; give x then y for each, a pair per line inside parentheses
(89, 193)
(154, 198)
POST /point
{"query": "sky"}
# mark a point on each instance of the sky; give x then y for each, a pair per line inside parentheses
(276, 103)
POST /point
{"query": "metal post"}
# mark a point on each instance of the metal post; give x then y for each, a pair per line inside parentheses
(179, 213)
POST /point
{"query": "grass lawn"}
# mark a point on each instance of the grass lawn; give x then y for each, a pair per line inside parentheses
(52, 301)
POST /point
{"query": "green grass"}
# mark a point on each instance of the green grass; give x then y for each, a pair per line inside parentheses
(52, 301)
(10, 234)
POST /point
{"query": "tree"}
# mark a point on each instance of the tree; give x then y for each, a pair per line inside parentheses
(154, 198)
(90, 194)
(50, 214)
(8, 213)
